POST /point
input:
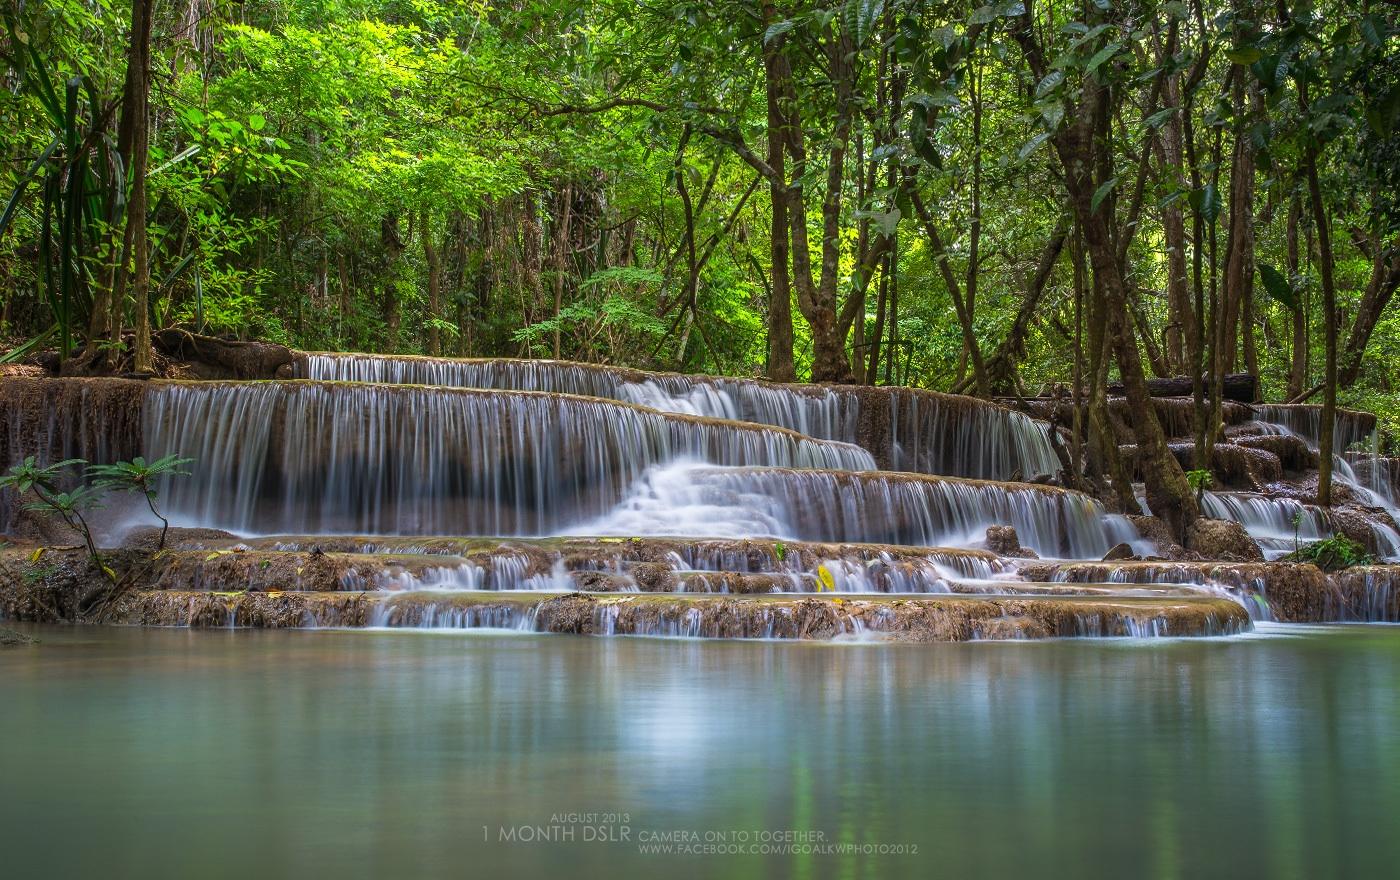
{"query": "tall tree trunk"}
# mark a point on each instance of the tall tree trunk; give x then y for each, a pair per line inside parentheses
(1179, 309)
(561, 246)
(430, 257)
(777, 73)
(1298, 368)
(1329, 311)
(1168, 493)
(136, 103)
(1239, 249)
(1380, 289)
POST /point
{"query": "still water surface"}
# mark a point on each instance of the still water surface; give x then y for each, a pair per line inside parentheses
(252, 754)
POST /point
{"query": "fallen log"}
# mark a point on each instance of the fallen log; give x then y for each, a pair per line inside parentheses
(235, 360)
(1240, 387)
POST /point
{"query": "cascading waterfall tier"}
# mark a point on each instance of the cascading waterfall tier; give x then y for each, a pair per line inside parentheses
(329, 563)
(303, 456)
(1280, 525)
(1305, 420)
(874, 507)
(906, 429)
(1283, 591)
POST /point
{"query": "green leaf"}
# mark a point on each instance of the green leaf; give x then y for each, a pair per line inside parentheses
(1159, 119)
(1030, 146)
(1278, 287)
(1206, 202)
(1102, 193)
(983, 15)
(1373, 30)
(777, 29)
(256, 122)
(1048, 85)
(1103, 55)
(1244, 55)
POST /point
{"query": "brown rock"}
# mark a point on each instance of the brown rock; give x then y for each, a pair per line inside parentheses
(1119, 551)
(1219, 539)
(1003, 541)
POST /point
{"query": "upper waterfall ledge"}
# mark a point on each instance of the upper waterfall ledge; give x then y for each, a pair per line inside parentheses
(906, 429)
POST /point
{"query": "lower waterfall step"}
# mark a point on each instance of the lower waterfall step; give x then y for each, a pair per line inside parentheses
(1286, 591)
(776, 616)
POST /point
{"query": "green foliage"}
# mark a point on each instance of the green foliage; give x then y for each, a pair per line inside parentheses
(89, 484)
(1200, 480)
(314, 166)
(1332, 554)
(140, 477)
(44, 482)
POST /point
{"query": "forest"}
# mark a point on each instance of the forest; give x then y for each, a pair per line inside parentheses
(734, 438)
(1002, 200)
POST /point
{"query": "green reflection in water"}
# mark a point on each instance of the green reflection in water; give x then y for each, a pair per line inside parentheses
(148, 753)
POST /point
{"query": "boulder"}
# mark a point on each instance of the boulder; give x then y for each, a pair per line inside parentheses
(1119, 551)
(1225, 540)
(654, 577)
(1003, 541)
(1160, 534)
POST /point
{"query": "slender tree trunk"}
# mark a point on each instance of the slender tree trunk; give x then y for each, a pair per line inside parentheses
(1329, 311)
(872, 370)
(1298, 368)
(780, 357)
(1380, 289)
(137, 103)
(960, 306)
(392, 246)
(1179, 309)
(562, 238)
(430, 257)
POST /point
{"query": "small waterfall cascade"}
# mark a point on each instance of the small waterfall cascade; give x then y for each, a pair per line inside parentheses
(1351, 427)
(906, 429)
(874, 507)
(1374, 489)
(339, 457)
(1277, 525)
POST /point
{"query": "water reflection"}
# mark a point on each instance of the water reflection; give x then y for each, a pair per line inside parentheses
(384, 754)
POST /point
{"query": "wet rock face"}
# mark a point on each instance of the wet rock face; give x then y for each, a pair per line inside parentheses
(1119, 551)
(1223, 540)
(1354, 522)
(1160, 534)
(1293, 452)
(1003, 541)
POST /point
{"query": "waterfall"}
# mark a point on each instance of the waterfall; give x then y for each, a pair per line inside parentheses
(907, 429)
(881, 508)
(1275, 524)
(318, 457)
(1304, 420)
